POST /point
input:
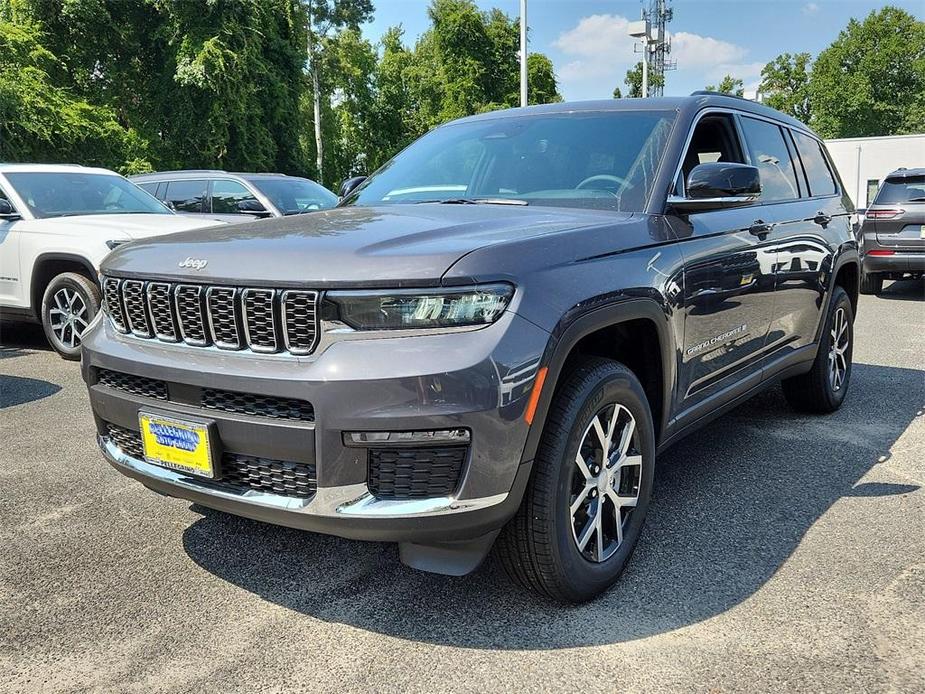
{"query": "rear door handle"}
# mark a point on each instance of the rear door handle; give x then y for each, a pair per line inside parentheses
(822, 219)
(760, 228)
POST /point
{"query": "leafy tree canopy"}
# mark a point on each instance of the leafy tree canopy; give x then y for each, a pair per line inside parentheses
(728, 85)
(785, 85)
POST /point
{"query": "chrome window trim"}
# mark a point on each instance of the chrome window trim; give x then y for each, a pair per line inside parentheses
(191, 341)
(262, 349)
(316, 295)
(142, 295)
(170, 309)
(234, 316)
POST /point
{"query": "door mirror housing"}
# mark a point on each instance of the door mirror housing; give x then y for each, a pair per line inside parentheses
(350, 185)
(251, 206)
(7, 213)
(718, 185)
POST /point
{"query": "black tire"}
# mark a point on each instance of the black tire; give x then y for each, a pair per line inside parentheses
(65, 339)
(871, 283)
(538, 547)
(815, 390)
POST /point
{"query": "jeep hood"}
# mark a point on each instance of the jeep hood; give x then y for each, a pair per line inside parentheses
(396, 245)
(120, 226)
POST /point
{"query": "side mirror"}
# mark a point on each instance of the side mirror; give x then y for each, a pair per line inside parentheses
(251, 206)
(7, 213)
(350, 185)
(718, 185)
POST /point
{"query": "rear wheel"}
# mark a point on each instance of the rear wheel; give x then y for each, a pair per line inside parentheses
(824, 387)
(871, 283)
(589, 492)
(70, 302)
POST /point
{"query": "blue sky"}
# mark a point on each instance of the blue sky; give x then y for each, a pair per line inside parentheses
(587, 42)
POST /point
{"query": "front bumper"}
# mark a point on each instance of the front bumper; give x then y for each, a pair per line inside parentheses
(478, 380)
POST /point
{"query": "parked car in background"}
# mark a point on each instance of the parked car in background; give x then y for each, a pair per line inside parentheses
(490, 338)
(236, 197)
(892, 242)
(57, 222)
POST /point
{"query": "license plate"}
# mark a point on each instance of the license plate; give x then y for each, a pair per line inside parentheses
(922, 232)
(178, 444)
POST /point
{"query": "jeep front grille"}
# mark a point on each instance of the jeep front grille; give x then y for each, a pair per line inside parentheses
(234, 318)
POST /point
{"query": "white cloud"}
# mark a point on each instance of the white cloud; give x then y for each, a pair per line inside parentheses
(744, 71)
(694, 50)
(599, 36)
(810, 8)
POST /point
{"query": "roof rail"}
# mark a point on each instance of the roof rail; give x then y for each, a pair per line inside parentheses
(181, 171)
(707, 92)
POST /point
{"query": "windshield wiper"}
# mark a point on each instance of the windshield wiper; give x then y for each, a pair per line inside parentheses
(478, 201)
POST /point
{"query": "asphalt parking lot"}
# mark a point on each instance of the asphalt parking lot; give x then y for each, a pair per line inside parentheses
(783, 552)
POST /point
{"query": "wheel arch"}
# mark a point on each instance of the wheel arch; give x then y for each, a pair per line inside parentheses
(603, 332)
(47, 266)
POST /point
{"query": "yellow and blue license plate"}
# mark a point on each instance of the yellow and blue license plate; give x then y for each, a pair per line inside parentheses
(178, 444)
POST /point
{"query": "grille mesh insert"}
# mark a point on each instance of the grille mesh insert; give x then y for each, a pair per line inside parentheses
(414, 473)
(238, 471)
(113, 300)
(299, 314)
(223, 317)
(259, 321)
(258, 405)
(159, 301)
(133, 292)
(136, 385)
(189, 311)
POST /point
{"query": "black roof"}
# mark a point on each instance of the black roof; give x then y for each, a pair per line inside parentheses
(693, 103)
(903, 172)
(206, 172)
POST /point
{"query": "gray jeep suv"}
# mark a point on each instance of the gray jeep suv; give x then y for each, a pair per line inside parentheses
(490, 339)
(893, 233)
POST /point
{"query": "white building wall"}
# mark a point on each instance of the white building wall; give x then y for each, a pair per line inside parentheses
(867, 160)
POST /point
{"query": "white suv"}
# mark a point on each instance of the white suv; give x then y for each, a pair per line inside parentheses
(57, 223)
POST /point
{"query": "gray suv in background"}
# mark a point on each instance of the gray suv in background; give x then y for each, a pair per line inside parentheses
(489, 340)
(893, 233)
(236, 196)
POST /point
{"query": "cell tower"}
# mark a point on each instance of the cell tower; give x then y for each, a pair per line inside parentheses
(652, 31)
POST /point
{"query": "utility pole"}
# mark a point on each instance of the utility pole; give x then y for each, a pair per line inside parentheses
(523, 52)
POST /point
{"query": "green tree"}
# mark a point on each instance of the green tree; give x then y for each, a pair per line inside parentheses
(323, 19)
(541, 80)
(633, 81)
(785, 85)
(871, 80)
(728, 85)
(41, 121)
(617, 94)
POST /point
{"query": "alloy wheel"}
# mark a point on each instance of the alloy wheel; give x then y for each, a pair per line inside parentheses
(605, 482)
(838, 361)
(68, 316)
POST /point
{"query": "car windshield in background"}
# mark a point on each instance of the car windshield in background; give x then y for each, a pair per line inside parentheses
(76, 194)
(601, 160)
(909, 189)
(295, 195)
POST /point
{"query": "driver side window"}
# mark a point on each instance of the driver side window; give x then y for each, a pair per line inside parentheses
(714, 139)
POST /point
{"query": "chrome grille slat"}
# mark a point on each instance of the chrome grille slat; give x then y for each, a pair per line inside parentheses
(263, 320)
(188, 298)
(299, 309)
(136, 312)
(260, 319)
(113, 297)
(160, 308)
(223, 317)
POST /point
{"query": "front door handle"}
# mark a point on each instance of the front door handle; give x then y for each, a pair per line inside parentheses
(822, 219)
(760, 228)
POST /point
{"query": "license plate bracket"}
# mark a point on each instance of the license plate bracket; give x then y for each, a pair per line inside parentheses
(183, 443)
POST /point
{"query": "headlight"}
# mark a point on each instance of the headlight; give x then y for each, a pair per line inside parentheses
(421, 308)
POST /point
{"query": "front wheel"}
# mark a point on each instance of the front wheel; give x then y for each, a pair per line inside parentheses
(586, 502)
(70, 302)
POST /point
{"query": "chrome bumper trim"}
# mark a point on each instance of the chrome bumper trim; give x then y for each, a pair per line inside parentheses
(350, 501)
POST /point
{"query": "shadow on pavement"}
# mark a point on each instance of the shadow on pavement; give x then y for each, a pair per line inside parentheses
(731, 503)
(905, 290)
(16, 390)
(18, 339)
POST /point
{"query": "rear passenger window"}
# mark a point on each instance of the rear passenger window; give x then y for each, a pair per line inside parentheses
(227, 194)
(821, 181)
(186, 196)
(150, 188)
(769, 153)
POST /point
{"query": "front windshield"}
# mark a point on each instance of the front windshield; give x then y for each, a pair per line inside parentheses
(295, 195)
(73, 194)
(600, 159)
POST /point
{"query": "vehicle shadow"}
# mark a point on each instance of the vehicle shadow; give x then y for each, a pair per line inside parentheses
(731, 503)
(17, 390)
(905, 290)
(18, 339)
